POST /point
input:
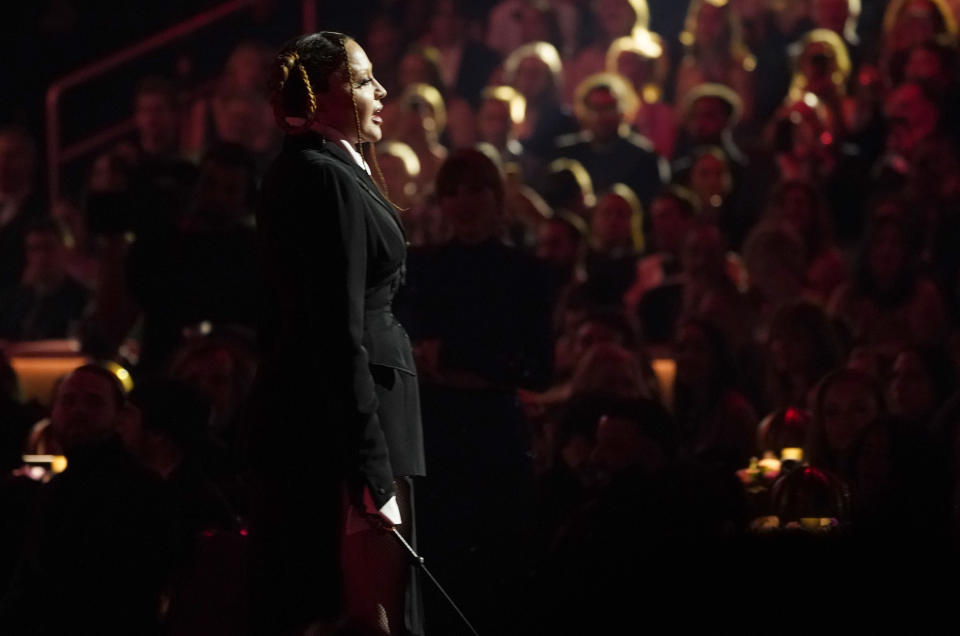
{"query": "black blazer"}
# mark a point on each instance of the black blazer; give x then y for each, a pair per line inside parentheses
(337, 378)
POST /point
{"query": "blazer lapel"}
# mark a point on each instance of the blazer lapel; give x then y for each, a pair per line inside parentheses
(364, 180)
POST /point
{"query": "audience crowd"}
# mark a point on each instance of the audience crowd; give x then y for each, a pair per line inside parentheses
(685, 305)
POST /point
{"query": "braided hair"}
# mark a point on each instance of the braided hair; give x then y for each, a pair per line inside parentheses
(304, 67)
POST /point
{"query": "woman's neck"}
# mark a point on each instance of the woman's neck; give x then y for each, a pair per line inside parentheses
(331, 133)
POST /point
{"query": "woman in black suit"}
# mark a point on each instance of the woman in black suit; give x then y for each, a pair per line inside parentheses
(337, 433)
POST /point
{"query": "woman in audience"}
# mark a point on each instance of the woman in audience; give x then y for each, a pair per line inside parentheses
(715, 52)
(822, 69)
(535, 70)
(616, 19)
(845, 403)
(616, 240)
(922, 380)
(238, 111)
(799, 205)
(716, 424)
(801, 347)
(644, 63)
(889, 303)
(418, 120)
(710, 180)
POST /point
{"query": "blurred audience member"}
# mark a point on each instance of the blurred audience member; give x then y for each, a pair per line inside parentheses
(500, 113)
(822, 69)
(657, 293)
(710, 292)
(643, 62)
(801, 347)
(421, 118)
(238, 111)
(47, 304)
(161, 178)
(465, 65)
(101, 543)
(536, 72)
(907, 23)
(614, 19)
(922, 380)
(715, 423)
(167, 426)
(616, 241)
(889, 303)
(708, 115)
(489, 325)
(776, 267)
(715, 52)
(221, 367)
(400, 167)
(800, 206)
(839, 16)
(568, 186)
(604, 104)
(20, 199)
(845, 403)
(561, 240)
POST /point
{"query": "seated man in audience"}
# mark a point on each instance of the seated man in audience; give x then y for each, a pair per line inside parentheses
(162, 178)
(605, 146)
(20, 202)
(96, 559)
(48, 303)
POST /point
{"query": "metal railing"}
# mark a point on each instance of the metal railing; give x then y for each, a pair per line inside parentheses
(57, 154)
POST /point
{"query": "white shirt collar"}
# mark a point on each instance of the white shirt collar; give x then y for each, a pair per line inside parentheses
(333, 135)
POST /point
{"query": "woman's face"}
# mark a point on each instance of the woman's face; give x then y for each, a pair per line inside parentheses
(886, 255)
(494, 123)
(472, 212)
(925, 66)
(791, 349)
(611, 222)
(617, 17)
(831, 14)
(533, 78)
(246, 71)
(671, 223)
(635, 68)
(692, 352)
(911, 387)
(336, 106)
(848, 407)
(917, 23)
(711, 24)
(708, 180)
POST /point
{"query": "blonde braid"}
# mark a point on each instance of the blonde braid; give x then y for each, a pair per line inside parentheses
(311, 109)
(287, 62)
(353, 97)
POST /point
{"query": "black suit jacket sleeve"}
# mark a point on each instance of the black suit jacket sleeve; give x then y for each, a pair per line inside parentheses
(315, 374)
(342, 199)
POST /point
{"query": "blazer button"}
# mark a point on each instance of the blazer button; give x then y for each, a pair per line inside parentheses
(381, 491)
